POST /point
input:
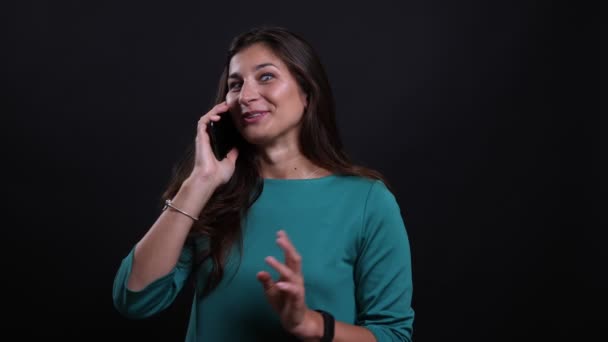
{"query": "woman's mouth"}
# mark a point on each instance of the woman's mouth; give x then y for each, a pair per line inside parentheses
(253, 117)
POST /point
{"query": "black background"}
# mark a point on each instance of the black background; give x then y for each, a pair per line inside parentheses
(478, 113)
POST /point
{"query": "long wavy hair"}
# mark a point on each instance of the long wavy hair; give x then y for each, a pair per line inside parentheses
(220, 219)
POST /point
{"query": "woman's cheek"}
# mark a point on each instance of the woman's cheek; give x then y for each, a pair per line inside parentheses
(229, 99)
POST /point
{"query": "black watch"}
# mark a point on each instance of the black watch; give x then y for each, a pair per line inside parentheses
(329, 325)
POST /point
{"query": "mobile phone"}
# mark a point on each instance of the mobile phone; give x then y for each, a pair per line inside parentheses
(223, 135)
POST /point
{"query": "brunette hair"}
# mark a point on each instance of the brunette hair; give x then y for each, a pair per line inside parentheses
(220, 220)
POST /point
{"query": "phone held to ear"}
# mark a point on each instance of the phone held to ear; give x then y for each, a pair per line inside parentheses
(223, 135)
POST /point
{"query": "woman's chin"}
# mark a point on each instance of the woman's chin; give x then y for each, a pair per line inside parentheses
(257, 139)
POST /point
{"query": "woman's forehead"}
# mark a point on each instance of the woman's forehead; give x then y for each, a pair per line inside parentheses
(253, 58)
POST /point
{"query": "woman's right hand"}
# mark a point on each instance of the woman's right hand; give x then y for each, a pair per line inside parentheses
(206, 166)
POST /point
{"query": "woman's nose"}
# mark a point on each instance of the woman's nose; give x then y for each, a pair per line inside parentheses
(248, 93)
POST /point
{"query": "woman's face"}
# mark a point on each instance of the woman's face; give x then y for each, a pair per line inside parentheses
(264, 98)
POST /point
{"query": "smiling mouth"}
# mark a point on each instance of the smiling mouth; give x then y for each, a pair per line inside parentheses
(253, 116)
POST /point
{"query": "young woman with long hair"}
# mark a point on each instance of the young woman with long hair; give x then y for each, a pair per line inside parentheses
(289, 190)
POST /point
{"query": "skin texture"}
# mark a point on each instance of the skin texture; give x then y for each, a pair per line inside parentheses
(260, 81)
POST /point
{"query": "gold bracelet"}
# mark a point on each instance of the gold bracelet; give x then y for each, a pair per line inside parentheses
(168, 204)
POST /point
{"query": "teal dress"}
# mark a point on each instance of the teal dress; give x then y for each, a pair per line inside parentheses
(355, 262)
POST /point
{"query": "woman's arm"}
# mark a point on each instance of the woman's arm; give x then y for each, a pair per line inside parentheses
(157, 253)
(343, 332)
(383, 271)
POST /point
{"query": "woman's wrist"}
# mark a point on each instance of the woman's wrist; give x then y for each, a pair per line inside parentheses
(312, 327)
(193, 194)
(199, 179)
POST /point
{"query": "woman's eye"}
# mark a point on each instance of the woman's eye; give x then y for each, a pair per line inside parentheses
(266, 76)
(233, 85)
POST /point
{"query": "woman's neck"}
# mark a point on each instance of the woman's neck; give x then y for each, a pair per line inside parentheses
(283, 162)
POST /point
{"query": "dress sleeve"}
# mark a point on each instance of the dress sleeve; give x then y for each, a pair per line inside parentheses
(155, 297)
(383, 273)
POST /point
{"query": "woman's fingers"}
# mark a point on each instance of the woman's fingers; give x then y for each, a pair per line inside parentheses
(284, 286)
(202, 138)
(284, 271)
(216, 110)
(291, 288)
(213, 114)
(266, 280)
(292, 257)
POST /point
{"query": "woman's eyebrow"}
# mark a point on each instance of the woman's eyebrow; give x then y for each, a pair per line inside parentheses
(257, 67)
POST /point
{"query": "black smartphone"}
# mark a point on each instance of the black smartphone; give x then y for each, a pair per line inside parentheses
(223, 135)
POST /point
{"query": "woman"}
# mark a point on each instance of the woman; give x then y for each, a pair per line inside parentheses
(286, 190)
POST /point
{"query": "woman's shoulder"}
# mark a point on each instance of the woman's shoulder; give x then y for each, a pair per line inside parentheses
(361, 182)
(375, 192)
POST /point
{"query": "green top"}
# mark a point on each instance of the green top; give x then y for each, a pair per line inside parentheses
(355, 262)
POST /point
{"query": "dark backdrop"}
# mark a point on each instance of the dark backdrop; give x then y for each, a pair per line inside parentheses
(474, 112)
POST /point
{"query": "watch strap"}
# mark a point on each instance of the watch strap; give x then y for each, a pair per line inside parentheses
(329, 325)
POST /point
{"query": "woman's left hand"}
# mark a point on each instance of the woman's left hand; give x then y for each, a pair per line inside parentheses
(287, 295)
